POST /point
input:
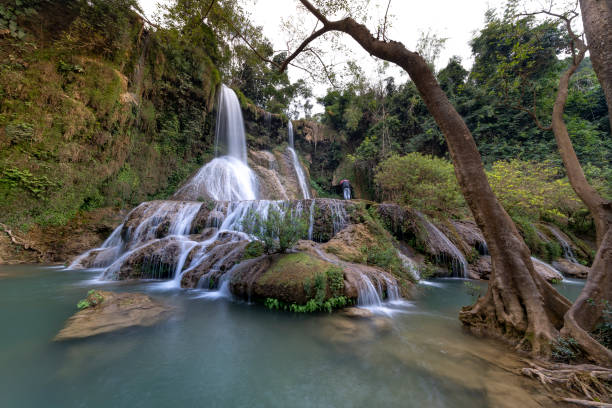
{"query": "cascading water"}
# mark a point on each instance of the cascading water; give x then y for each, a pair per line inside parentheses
(228, 176)
(552, 271)
(301, 177)
(446, 250)
(568, 253)
(188, 239)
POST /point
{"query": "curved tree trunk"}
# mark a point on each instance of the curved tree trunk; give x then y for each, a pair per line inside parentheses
(519, 304)
(597, 20)
(586, 312)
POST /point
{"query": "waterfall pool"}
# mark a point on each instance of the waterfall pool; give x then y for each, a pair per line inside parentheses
(219, 353)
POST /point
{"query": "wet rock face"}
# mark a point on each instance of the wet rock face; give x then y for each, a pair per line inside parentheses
(220, 257)
(116, 311)
(156, 260)
(330, 217)
(571, 269)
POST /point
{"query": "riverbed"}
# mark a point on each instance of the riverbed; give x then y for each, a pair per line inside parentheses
(218, 352)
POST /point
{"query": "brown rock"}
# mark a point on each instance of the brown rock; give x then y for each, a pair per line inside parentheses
(481, 268)
(571, 269)
(115, 312)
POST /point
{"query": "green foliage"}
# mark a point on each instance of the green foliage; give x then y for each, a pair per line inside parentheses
(278, 231)
(254, 249)
(65, 68)
(11, 11)
(37, 186)
(335, 280)
(311, 306)
(423, 182)
(19, 132)
(565, 349)
(533, 190)
(603, 331)
(93, 299)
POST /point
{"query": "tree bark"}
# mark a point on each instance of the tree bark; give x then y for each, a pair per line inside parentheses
(519, 304)
(586, 312)
(597, 20)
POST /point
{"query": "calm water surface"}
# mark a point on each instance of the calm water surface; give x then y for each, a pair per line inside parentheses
(222, 353)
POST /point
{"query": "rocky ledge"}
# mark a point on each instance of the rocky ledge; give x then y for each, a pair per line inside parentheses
(105, 312)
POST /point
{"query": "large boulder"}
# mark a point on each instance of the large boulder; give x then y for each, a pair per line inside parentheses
(547, 271)
(349, 242)
(109, 311)
(571, 269)
(290, 278)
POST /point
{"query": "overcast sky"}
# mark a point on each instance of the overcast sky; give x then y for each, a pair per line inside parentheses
(457, 20)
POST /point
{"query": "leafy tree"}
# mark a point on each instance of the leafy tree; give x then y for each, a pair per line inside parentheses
(423, 182)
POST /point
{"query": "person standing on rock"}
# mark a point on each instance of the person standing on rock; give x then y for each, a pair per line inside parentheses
(345, 185)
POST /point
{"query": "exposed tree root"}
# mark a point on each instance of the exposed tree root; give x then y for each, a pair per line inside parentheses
(20, 241)
(593, 382)
(586, 403)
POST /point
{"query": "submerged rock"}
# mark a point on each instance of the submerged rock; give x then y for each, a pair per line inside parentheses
(357, 313)
(571, 269)
(114, 311)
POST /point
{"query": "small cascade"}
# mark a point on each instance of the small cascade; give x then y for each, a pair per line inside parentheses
(113, 243)
(311, 219)
(339, 216)
(409, 265)
(445, 250)
(550, 270)
(568, 253)
(301, 177)
(368, 295)
(378, 292)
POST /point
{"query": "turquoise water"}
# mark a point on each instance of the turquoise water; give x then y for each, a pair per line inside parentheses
(222, 353)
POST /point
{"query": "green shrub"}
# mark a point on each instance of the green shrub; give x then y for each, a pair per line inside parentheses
(278, 232)
(93, 299)
(565, 349)
(423, 182)
(311, 306)
(254, 249)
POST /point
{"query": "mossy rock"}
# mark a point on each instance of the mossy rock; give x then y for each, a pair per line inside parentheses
(291, 278)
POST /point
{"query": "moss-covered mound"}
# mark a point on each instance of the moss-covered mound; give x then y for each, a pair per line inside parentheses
(298, 282)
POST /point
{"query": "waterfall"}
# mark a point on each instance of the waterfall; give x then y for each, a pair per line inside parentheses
(301, 177)
(230, 139)
(444, 248)
(568, 253)
(228, 176)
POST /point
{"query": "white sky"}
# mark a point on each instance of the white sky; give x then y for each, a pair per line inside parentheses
(457, 20)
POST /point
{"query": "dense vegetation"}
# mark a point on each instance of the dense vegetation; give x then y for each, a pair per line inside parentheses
(99, 109)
